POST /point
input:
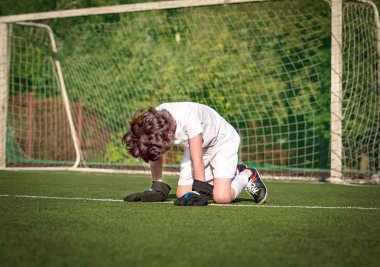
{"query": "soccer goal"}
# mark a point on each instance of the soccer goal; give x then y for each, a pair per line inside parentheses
(299, 80)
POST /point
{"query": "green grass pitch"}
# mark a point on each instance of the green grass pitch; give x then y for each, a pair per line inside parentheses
(75, 222)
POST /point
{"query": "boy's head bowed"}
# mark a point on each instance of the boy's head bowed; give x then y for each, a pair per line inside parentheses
(151, 134)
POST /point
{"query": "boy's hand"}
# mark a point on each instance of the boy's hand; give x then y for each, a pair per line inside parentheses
(191, 198)
(201, 194)
(158, 192)
(204, 188)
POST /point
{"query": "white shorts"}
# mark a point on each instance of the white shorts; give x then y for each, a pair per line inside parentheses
(220, 160)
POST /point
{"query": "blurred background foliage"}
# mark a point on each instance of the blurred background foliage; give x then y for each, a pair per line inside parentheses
(289, 73)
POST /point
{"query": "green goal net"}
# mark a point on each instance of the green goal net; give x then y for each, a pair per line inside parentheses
(265, 66)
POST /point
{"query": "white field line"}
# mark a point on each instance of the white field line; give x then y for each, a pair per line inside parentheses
(212, 204)
(65, 198)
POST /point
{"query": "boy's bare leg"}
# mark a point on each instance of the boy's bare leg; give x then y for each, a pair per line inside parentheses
(183, 189)
(223, 193)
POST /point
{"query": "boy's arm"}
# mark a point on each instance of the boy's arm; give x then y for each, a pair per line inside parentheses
(156, 169)
(159, 191)
(202, 191)
(196, 155)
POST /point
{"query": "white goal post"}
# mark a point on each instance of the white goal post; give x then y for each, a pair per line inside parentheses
(287, 138)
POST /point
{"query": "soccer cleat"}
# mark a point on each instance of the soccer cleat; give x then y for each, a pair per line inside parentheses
(240, 167)
(256, 187)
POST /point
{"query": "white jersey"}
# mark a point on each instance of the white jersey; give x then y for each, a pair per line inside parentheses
(220, 140)
(193, 119)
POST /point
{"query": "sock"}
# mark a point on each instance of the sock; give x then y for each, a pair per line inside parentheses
(240, 181)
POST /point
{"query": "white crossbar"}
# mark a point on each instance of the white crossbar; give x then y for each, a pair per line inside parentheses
(119, 9)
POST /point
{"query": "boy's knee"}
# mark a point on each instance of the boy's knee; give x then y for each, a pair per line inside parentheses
(222, 199)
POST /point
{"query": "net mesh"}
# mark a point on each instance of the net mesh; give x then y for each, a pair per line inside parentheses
(361, 90)
(265, 67)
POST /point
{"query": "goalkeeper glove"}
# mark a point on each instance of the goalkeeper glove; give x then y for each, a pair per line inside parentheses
(158, 192)
(202, 192)
(204, 189)
(191, 198)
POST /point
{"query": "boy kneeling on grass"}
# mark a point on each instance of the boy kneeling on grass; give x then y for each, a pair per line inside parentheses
(208, 167)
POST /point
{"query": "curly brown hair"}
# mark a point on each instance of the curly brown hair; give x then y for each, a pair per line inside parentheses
(151, 134)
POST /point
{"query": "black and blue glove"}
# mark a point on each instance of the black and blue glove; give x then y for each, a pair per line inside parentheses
(157, 193)
(191, 198)
(201, 194)
(204, 188)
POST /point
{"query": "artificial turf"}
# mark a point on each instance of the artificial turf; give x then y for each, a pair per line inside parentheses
(294, 227)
